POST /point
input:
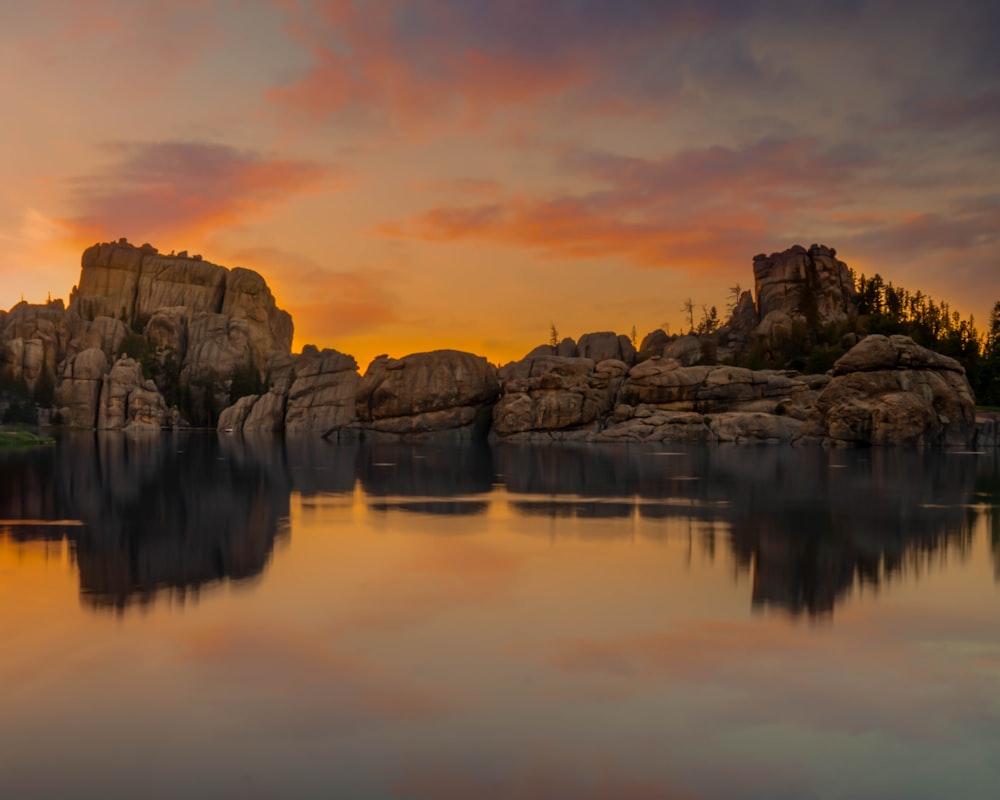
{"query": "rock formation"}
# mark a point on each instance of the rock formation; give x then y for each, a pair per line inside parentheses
(133, 283)
(80, 388)
(890, 390)
(442, 394)
(551, 396)
(150, 340)
(322, 397)
(128, 402)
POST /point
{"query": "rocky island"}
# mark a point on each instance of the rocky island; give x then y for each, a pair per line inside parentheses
(151, 341)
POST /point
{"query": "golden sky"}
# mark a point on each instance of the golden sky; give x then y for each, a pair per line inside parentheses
(465, 173)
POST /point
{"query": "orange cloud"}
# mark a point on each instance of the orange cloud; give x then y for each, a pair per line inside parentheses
(324, 303)
(169, 190)
(697, 210)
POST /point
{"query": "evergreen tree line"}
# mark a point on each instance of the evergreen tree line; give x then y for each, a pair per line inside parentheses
(887, 309)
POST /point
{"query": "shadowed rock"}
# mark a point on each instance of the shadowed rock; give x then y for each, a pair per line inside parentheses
(444, 393)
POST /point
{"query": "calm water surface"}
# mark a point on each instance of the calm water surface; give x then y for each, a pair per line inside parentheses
(194, 616)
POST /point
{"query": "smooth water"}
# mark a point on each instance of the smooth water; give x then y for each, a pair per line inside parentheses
(195, 616)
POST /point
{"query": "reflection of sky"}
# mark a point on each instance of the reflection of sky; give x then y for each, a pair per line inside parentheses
(388, 165)
(389, 653)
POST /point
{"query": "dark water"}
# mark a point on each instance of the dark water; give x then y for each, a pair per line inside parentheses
(203, 616)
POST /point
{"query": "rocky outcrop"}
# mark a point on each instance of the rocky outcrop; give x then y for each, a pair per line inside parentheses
(322, 397)
(254, 413)
(127, 402)
(606, 345)
(247, 297)
(33, 339)
(232, 417)
(79, 390)
(133, 284)
(267, 414)
(552, 397)
(800, 293)
(441, 394)
(711, 389)
(664, 401)
(811, 284)
(219, 346)
(890, 390)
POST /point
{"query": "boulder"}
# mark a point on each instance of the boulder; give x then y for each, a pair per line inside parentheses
(322, 397)
(686, 350)
(127, 401)
(601, 346)
(555, 396)
(890, 390)
(441, 394)
(79, 390)
(248, 297)
(267, 414)
(232, 417)
(714, 389)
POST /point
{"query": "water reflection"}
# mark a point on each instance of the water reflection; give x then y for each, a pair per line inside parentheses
(178, 512)
(170, 513)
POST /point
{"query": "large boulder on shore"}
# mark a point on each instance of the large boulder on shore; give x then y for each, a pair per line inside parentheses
(322, 397)
(551, 397)
(79, 390)
(441, 394)
(890, 390)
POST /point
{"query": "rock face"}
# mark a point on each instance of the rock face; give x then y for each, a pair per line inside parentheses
(322, 397)
(133, 284)
(142, 326)
(553, 397)
(606, 345)
(890, 390)
(32, 341)
(804, 283)
(441, 394)
(798, 291)
(80, 389)
(663, 401)
(128, 402)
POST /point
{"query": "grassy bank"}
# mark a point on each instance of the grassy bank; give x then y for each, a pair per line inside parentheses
(15, 438)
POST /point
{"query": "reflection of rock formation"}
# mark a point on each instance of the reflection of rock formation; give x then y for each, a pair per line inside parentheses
(425, 471)
(165, 513)
(808, 523)
(182, 511)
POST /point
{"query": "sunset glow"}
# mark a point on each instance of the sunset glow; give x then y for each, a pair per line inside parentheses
(446, 173)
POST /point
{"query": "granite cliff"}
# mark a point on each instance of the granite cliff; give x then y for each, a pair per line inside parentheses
(151, 341)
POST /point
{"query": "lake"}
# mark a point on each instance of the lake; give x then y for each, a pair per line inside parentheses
(206, 616)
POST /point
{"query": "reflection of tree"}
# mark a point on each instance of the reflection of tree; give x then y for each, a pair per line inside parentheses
(163, 513)
(179, 512)
(807, 523)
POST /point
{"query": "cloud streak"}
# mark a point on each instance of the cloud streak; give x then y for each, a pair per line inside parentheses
(168, 189)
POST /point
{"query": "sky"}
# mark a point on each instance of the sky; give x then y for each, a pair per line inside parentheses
(469, 173)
